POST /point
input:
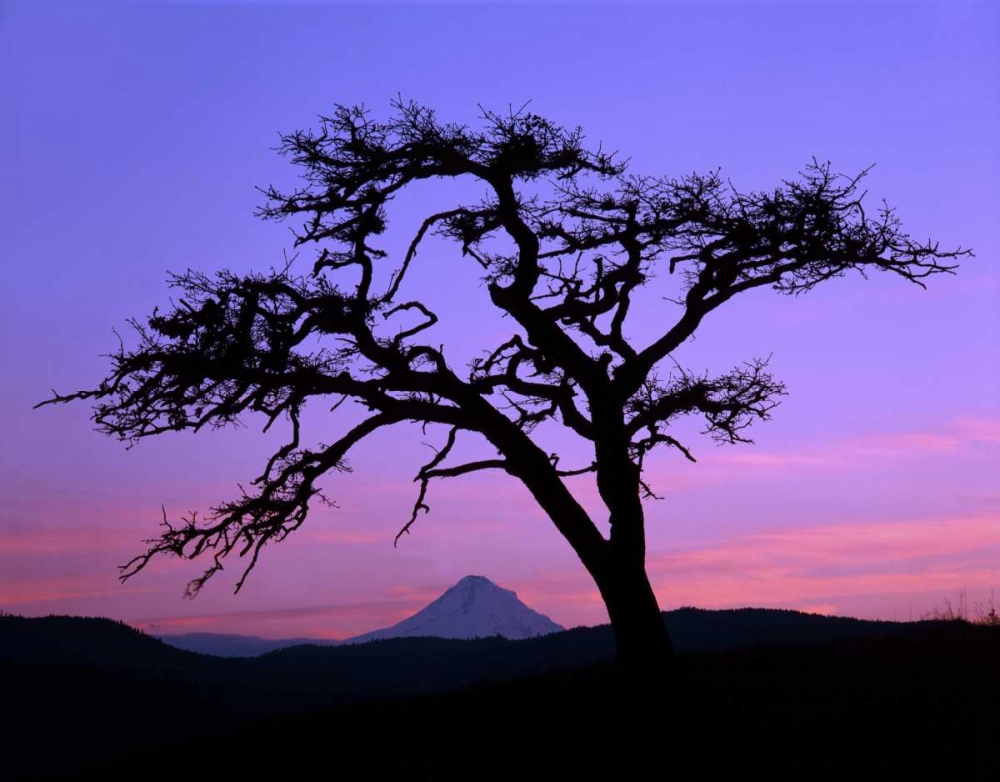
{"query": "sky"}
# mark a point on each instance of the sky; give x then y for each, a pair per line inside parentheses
(135, 135)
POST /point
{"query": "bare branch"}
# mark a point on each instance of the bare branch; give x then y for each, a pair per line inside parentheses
(433, 470)
(730, 403)
(247, 524)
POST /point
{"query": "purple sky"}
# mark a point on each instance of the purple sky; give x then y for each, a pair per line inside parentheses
(133, 136)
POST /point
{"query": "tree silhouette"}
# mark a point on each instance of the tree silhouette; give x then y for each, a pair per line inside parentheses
(565, 239)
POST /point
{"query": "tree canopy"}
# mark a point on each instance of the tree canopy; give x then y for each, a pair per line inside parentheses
(565, 238)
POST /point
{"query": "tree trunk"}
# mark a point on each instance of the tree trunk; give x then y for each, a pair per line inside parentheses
(643, 643)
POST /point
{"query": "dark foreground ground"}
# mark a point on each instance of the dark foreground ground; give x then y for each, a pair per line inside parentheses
(920, 706)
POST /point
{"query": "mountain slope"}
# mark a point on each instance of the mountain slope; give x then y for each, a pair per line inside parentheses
(474, 608)
(227, 645)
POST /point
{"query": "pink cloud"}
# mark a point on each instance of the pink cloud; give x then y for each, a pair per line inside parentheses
(49, 540)
(751, 458)
(25, 592)
(850, 543)
(961, 434)
(834, 568)
(910, 443)
(979, 429)
(342, 537)
(783, 588)
(794, 566)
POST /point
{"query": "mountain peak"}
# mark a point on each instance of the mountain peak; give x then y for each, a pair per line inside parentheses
(473, 583)
(467, 580)
(474, 607)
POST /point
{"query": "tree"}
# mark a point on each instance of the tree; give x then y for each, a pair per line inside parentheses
(566, 239)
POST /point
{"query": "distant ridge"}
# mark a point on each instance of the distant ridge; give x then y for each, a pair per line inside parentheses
(229, 645)
(468, 610)
(80, 641)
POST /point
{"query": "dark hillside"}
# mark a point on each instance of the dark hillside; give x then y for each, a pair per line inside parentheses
(926, 688)
(59, 640)
(920, 706)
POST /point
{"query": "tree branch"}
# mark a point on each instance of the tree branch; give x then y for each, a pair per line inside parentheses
(433, 470)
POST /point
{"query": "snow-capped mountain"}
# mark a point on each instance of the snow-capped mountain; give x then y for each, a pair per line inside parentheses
(474, 608)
